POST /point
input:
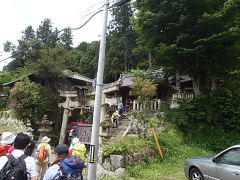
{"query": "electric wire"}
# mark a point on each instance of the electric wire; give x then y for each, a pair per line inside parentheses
(84, 14)
(53, 34)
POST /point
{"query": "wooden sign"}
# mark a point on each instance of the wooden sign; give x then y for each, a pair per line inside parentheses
(84, 133)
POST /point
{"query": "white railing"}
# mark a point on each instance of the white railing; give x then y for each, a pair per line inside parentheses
(180, 96)
(183, 96)
(155, 105)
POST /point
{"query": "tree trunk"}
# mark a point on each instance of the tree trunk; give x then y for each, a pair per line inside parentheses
(213, 84)
(196, 86)
(150, 59)
(178, 86)
(125, 61)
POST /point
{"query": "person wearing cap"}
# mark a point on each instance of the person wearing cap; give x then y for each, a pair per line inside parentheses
(42, 166)
(21, 142)
(114, 118)
(70, 164)
(7, 143)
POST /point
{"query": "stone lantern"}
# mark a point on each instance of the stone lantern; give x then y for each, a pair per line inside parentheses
(44, 127)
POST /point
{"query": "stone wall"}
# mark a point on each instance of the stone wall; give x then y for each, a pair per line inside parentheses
(114, 165)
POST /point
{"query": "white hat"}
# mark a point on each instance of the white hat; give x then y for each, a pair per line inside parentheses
(45, 139)
(75, 141)
(7, 138)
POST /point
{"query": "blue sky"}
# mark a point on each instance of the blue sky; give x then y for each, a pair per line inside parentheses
(16, 15)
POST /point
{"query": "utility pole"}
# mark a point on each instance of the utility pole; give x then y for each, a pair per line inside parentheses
(94, 146)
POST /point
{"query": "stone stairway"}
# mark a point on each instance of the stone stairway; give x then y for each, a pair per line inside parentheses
(127, 124)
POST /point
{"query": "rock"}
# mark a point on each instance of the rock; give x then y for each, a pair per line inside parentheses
(120, 172)
(137, 156)
(107, 164)
(117, 161)
(100, 171)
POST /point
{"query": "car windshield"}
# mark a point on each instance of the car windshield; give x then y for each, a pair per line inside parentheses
(231, 157)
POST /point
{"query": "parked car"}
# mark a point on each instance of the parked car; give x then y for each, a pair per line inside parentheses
(223, 166)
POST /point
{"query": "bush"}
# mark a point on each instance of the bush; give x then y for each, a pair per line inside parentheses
(29, 101)
(213, 118)
(125, 145)
(219, 108)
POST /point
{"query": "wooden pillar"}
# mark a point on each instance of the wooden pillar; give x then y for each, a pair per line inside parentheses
(64, 122)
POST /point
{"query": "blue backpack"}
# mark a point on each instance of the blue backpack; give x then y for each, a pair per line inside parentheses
(71, 168)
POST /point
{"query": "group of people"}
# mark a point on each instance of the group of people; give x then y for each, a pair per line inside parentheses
(20, 160)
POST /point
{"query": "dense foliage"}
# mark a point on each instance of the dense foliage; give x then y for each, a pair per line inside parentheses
(29, 101)
(199, 38)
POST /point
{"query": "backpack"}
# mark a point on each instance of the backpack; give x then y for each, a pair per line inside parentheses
(14, 169)
(3, 149)
(42, 153)
(79, 149)
(68, 173)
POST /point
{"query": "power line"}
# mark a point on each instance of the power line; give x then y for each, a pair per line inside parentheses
(84, 14)
(51, 36)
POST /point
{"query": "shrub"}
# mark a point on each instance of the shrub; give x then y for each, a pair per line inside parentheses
(125, 145)
(29, 101)
(213, 118)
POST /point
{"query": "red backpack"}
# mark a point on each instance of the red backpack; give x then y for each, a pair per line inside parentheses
(3, 149)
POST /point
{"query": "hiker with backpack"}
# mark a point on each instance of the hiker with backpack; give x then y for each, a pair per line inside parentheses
(18, 166)
(114, 118)
(6, 144)
(77, 148)
(121, 108)
(65, 167)
(43, 153)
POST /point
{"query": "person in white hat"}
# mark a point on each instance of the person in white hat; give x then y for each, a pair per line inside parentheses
(43, 153)
(74, 141)
(21, 142)
(7, 143)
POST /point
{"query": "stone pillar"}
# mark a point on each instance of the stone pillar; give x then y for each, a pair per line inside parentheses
(45, 127)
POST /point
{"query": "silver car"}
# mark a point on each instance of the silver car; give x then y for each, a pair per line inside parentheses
(223, 166)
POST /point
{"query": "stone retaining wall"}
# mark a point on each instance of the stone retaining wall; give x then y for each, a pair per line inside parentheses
(114, 165)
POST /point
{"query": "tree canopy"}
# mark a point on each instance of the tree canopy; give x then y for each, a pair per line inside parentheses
(198, 38)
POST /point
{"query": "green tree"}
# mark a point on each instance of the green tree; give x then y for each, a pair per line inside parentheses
(29, 101)
(4, 91)
(87, 58)
(22, 53)
(52, 62)
(66, 38)
(46, 35)
(120, 43)
(145, 91)
(198, 38)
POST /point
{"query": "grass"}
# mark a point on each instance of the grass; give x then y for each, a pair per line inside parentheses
(177, 150)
